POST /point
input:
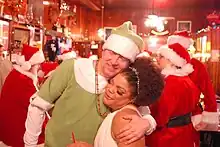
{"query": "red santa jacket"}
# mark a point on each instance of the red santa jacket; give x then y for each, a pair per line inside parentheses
(202, 80)
(180, 96)
(14, 102)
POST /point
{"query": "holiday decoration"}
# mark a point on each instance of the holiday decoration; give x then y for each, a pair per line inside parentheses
(14, 7)
(160, 33)
(214, 18)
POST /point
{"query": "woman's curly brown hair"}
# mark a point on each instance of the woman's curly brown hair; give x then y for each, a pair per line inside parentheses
(151, 82)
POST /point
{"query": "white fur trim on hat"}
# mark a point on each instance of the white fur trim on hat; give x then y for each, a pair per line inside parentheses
(123, 46)
(37, 58)
(184, 41)
(172, 56)
(143, 54)
(67, 56)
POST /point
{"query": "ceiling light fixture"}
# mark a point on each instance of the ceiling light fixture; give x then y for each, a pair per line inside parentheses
(46, 3)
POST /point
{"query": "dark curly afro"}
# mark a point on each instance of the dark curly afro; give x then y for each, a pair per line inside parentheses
(151, 82)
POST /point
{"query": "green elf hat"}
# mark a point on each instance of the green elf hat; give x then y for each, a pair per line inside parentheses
(124, 41)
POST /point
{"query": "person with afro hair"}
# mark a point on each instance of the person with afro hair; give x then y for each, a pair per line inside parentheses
(139, 85)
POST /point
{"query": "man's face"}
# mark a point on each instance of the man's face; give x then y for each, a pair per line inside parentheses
(162, 61)
(112, 63)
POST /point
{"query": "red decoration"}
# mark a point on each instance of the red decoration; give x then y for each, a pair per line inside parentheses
(213, 18)
(14, 6)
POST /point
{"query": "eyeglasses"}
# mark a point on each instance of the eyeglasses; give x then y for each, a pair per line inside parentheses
(159, 56)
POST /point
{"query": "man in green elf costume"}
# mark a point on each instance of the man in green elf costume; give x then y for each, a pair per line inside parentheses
(73, 90)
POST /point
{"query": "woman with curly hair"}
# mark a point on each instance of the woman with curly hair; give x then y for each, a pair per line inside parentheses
(139, 85)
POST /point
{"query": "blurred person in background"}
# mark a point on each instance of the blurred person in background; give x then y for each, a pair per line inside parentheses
(19, 86)
(5, 66)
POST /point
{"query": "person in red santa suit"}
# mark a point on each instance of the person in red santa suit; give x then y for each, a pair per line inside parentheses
(200, 76)
(19, 86)
(179, 98)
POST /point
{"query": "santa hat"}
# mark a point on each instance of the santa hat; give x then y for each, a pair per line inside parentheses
(47, 68)
(29, 56)
(124, 41)
(67, 54)
(181, 37)
(143, 54)
(178, 55)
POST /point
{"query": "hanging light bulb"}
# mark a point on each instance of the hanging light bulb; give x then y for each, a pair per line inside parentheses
(160, 28)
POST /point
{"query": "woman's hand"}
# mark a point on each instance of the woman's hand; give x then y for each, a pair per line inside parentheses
(80, 144)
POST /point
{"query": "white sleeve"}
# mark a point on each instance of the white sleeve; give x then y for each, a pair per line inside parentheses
(152, 123)
(145, 112)
(35, 119)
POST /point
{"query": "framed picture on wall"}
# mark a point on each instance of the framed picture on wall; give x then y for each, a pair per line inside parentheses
(184, 25)
(21, 36)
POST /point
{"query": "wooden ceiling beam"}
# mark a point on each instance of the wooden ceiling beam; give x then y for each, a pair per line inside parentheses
(90, 4)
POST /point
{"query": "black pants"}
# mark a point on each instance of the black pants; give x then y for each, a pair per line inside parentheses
(209, 139)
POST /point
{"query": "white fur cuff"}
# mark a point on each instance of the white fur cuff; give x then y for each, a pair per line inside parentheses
(210, 117)
(41, 103)
(152, 123)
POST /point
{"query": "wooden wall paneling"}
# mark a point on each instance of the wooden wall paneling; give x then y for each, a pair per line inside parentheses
(218, 39)
(94, 24)
(218, 78)
(212, 69)
(115, 17)
(214, 42)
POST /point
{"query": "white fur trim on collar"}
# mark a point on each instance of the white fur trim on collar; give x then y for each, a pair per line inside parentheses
(67, 56)
(123, 46)
(20, 60)
(184, 41)
(184, 71)
(85, 75)
(28, 74)
(172, 56)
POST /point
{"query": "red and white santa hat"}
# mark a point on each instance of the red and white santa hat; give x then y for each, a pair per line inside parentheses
(67, 54)
(181, 37)
(47, 68)
(178, 55)
(29, 56)
(145, 53)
